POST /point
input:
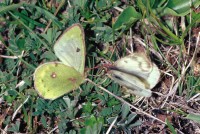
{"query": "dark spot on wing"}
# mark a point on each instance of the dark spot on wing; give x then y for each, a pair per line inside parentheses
(56, 64)
(78, 49)
(145, 66)
(73, 80)
(53, 75)
(126, 61)
(117, 77)
(140, 65)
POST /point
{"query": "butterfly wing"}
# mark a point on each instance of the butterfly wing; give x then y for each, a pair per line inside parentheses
(70, 47)
(139, 65)
(153, 77)
(135, 64)
(136, 72)
(54, 79)
(136, 85)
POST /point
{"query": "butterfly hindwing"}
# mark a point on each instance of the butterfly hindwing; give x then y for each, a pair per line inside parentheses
(54, 79)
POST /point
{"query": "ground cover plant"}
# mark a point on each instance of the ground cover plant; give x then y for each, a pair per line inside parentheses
(167, 32)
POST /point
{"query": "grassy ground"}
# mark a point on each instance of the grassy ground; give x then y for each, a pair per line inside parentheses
(168, 33)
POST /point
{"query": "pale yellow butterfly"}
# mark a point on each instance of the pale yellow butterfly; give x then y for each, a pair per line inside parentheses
(54, 79)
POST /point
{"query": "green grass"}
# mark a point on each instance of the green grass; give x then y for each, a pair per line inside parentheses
(164, 31)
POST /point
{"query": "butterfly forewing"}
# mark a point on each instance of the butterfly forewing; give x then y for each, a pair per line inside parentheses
(135, 64)
(70, 48)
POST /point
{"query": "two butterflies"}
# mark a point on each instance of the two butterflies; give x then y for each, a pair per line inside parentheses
(54, 79)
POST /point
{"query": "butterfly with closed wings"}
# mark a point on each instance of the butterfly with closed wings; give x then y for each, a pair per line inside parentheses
(136, 72)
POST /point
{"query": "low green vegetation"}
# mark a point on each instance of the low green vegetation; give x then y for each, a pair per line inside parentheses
(166, 31)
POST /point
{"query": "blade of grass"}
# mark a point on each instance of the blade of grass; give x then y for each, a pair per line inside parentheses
(7, 8)
(46, 13)
(29, 20)
(32, 32)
